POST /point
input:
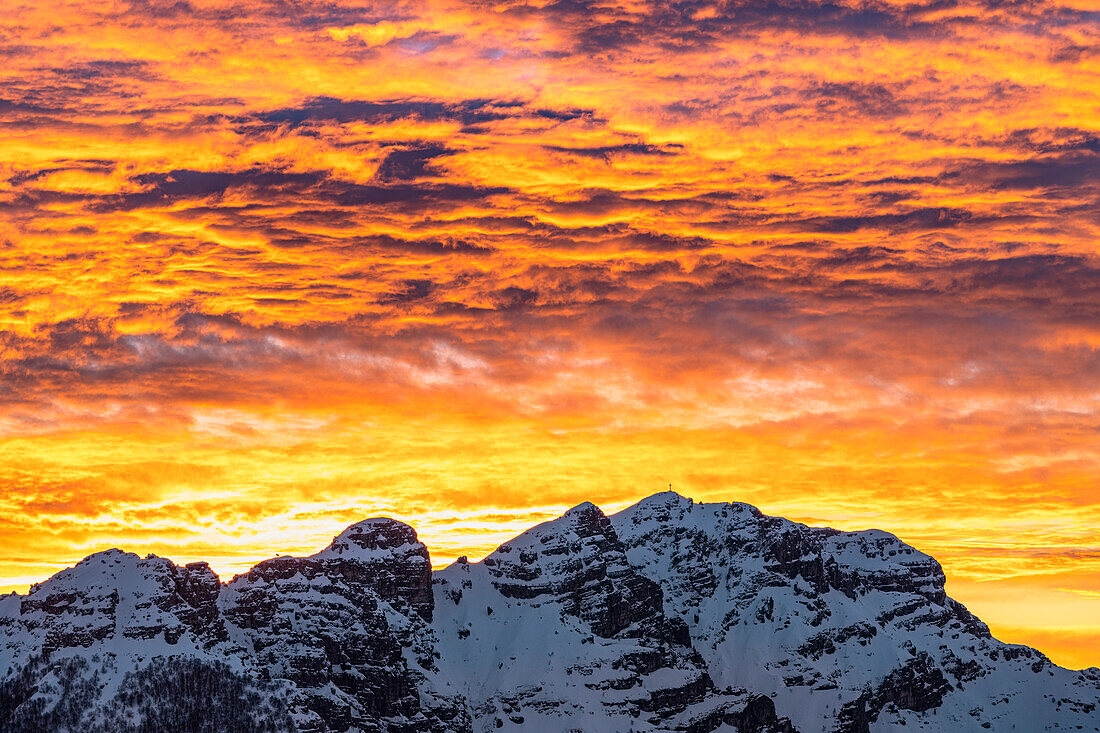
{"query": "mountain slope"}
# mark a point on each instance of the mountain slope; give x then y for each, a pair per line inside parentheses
(556, 631)
(670, 615)
(847, 631)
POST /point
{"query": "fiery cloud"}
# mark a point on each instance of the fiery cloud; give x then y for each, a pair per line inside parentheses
(272, 266)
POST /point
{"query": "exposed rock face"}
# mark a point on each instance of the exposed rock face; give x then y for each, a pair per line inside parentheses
(330, 631)
(386, 557)
(199, 589)
(917, 685)
(579, 561)
(845, 631)
(575, 628)
(670, 616)
(309, 622)
(116, 595)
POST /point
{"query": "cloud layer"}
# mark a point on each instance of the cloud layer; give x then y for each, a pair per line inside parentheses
(270, 266)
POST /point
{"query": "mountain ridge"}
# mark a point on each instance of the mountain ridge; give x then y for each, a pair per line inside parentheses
(668, 615)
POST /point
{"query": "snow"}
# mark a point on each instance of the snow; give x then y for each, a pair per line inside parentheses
(664, 532)
(810, 618)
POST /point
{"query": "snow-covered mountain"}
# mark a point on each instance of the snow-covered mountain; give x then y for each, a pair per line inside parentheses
(669, 616)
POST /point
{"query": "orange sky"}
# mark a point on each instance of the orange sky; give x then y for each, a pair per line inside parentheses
(272, 266)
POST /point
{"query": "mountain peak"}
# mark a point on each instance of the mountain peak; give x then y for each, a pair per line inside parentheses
(373, 539)
(583, 521)
(113, 568)
(111, 556)
(668, 497)
(584, 507)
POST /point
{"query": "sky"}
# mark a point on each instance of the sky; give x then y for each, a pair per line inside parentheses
(268, 267)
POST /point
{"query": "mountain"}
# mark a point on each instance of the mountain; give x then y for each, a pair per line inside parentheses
(669, 616)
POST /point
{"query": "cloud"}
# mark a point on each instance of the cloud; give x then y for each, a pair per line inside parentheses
(409, 164)
(321, 111)
(1068, 172)
(606, 152)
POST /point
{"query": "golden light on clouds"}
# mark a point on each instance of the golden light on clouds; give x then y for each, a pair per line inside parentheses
(271, 267)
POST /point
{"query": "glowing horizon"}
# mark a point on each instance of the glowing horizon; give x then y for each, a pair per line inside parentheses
(274, 266)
